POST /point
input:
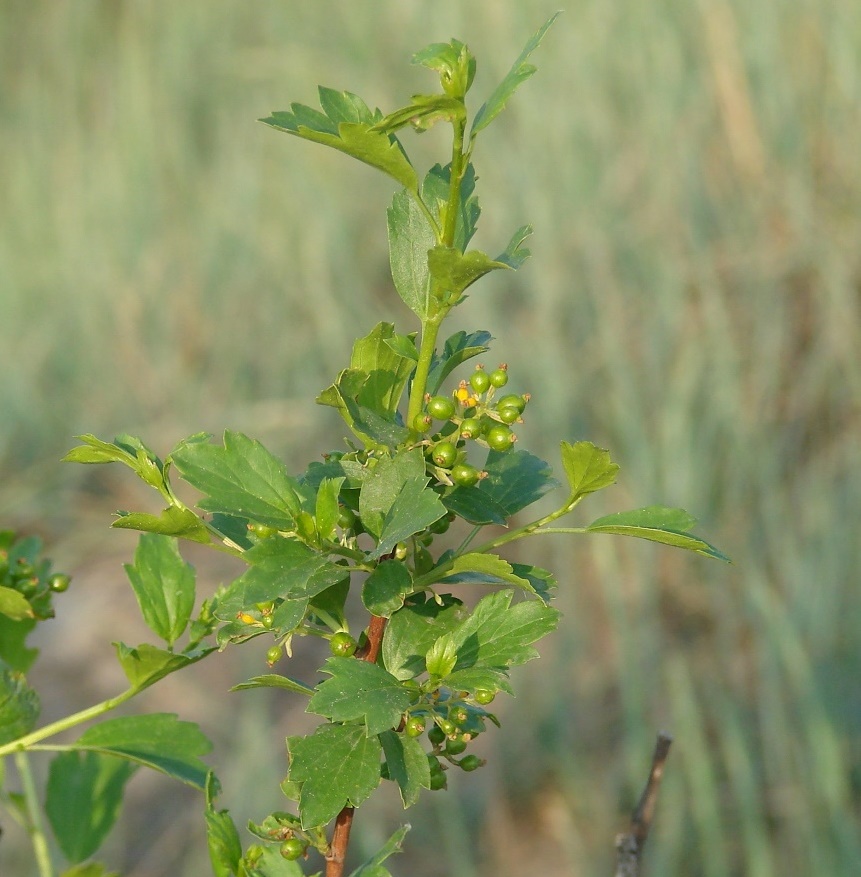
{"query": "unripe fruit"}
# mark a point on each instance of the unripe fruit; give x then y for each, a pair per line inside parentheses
(458, 715)
(437, 781)
(464, 475)
(499, 377)
(444, 454)
(436, 735)
(470, 762)
(480, 380)
(470, 428)
(512, 401)
(499, 438)
(342, 645)
(401, 551)
(484, 696)
(261, 531)
(440, 526)
(422, 422)
(59, 582)
(508, 414)
(440, 407)
(292, 849)
(447, 726)
(414, 726)
(423, 561)
(273, 655)
(456, 746)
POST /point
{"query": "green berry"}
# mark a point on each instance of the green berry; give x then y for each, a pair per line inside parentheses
(444, 454)
(499, 377)
(342, 645)
(261, 531)
(470, 762)
(440, 407)
(436, 735)
(456, 746)
(464, 475)
(499, 438)
(273, 655)
(59, 582)
(423, 561)
(414, 726)
(422, 422)
(480, 380)
(267, 621)
(508, 414)
(401, 551)
(470, 428)
(292, 849)
(447, 726)
(440, 526)
(437, 781)
(484, 696)
(517, 402)
(458, 715)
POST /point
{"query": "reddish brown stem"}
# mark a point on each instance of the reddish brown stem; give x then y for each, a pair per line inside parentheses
(344, 822)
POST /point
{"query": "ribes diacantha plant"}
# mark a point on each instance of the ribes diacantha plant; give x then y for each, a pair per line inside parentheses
(432, 460)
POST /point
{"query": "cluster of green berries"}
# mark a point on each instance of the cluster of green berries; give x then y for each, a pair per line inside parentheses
(450, 733)
(22, 570)
(472, 412)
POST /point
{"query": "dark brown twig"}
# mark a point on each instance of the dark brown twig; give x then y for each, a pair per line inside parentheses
(629, 847)
(344, 822)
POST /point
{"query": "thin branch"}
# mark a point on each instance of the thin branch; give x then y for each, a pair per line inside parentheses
(629, 847)
(337, 854)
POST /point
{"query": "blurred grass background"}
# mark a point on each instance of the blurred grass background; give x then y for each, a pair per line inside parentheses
(692, 171)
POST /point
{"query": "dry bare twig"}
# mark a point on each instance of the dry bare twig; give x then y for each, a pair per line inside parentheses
(629, 847)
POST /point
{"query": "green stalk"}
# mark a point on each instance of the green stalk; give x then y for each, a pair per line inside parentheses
(534, 528)
(431, 326)
(92, 712)
(34, 827)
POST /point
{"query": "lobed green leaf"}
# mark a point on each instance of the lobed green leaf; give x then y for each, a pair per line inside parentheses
(222, 836)
(158, 740)
(14, 605)
(83, 797)
(19, 706)
(516, 479)
(163, 584)
(385, 589)
(241, 478)
(415, 508)
(410, 238)
(497, 634)
(408, 765)
(412, 631)
(335, 766)
(657, 524)
(360, 691)
(173, 521)
(519, 73)
(145, 664)
(13, 643)
(274, 680)
(279, 567)
(588, 468)
(358, 138)
(459, 348)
